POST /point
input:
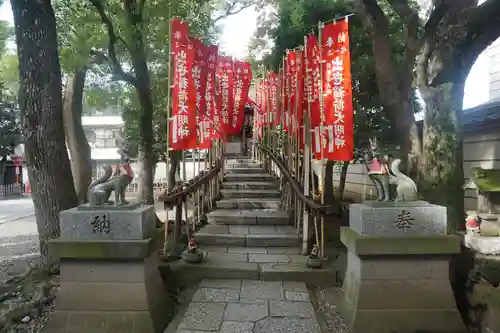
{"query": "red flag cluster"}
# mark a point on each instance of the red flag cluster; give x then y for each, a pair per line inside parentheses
(314, 80)
(209, 92)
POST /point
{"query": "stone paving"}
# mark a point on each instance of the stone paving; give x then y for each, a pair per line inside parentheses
(247, 306)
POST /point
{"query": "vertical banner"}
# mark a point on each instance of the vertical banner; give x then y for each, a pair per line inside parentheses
(299, 112)
(243, 78)
(226, 88)
(212, 126)
(182, 126)
(299, 72)
(199, 74)
(274, 85)
(284, 94)
(337, 88)
(292, 83)
(263, 102)
(312, 91)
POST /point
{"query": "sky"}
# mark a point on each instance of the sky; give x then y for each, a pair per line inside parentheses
(238, 29)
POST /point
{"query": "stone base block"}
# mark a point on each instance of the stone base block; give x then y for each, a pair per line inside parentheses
(403, 292)
(375, 218)
(107, 222)
(110, 297)
(401, 321)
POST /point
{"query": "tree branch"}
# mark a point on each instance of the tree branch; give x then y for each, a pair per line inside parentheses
(476, 34)
(377, 25)
(413, 44)
(113, 39)
(480, 30)
(231, 11)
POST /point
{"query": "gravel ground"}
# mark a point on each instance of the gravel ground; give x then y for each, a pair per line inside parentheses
(327, 312)
(18, 246)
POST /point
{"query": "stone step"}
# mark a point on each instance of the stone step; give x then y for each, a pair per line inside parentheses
(233, 194)
(249, 203)
(226, 249)
(250, 236)
(232, 177)
(245, 170)
(238, 157)
(248, 217)
(243, 165)
(250, 185)
(217, 265)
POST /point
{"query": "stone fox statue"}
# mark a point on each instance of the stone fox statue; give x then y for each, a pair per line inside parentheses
(100, 190)
(405, 186)
(378, 172)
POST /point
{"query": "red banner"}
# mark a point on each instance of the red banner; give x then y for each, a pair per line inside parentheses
(274, 85)
(284, 94)
(337, 91)
(313, 79)
(263, 101)
(200, 73)
(299, 72)
(292, 83)
(182, 126)
(212, 126)
(243, 78)
(226, 89)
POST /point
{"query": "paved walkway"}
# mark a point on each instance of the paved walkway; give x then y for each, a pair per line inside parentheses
(236, 306)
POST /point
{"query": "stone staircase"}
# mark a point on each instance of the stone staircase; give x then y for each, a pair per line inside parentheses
(249, 235)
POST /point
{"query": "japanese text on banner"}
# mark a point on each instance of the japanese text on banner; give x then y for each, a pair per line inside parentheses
(337, 91)
(226, 87)
(243, 77)
(182, 126)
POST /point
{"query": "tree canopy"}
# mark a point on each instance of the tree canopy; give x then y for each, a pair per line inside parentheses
(291, 20)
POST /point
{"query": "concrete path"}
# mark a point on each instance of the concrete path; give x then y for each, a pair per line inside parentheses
(247, 306)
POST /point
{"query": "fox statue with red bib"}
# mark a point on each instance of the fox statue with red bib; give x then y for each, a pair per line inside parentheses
(117, 181)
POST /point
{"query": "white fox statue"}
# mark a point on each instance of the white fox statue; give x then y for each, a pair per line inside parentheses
(406, 188)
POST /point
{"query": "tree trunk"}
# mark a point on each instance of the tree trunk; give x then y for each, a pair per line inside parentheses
(79, 149)
(329, 195)
(443, 176)
(343, 178)
(143, 87)
(3, 164)
(40, 103)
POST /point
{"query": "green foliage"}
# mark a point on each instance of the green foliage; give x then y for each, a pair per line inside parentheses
(81, 31)
(10, 130)
(295, 19)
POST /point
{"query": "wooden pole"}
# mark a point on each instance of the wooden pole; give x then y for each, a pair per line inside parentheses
(307, 153)
(167, 160)
(322, 113)
(297, 141)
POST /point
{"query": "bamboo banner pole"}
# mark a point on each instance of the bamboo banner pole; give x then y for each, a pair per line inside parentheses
(283, 114)
(345, 17)
(197, 200)
(185, 203)
(296, 140)
(307, 152)
(322, 144)
(167, 160)
(289, 140)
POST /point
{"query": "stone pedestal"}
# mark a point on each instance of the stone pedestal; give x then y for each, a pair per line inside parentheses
(397, 278)
(486, 253)
(108, 284)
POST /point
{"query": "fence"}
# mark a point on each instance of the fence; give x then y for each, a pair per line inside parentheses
(11, 191)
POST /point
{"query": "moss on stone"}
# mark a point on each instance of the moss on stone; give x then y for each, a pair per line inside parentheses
(486, 180)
